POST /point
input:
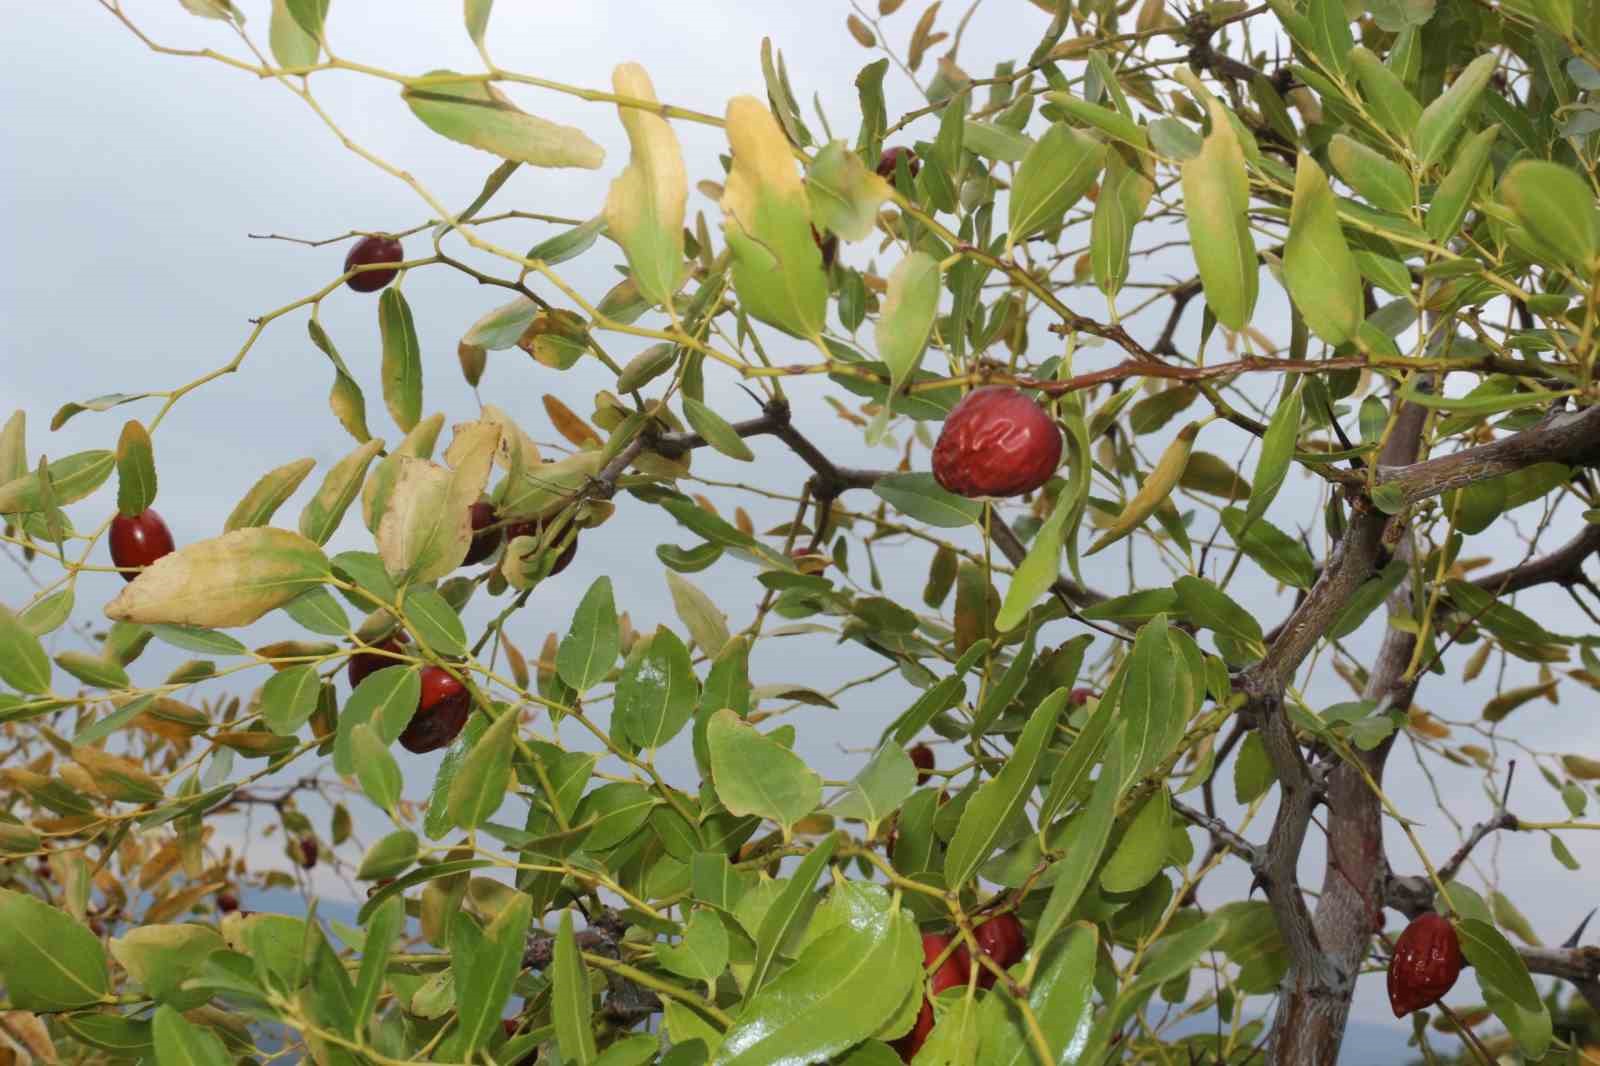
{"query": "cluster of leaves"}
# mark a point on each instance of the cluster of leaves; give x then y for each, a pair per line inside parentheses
(1430, 179)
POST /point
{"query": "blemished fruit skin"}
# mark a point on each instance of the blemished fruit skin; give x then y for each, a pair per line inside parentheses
(922, 759)
(367, 662)
(996, 442)
(369, 250)
(139, 541)
(1002, 939)
(890, 159)
(484, 539)
(308, 852)
(442, 711)
(952, 972)
(531, 529)
(1427, 961)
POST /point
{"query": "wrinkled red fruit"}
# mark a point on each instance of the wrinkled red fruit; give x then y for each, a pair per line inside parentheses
(829, 246)
(139, 541)
(1001, 938)
(442, 711)
(366, 662)
(922, 759)
(890, 159)
(484, 538)
(227, 903)
(1426, 963)
(308, 852)
(951, 972)
(531, 529)
(996, 442)
(369, 250)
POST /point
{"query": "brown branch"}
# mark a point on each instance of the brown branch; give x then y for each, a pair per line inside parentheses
(1562, 436)
(1221, 835)
(1564, 566)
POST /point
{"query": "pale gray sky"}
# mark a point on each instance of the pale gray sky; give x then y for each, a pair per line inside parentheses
(128, 182)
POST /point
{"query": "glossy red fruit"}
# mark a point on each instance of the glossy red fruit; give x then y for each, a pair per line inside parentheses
(139, 541)
(922, 759)
(890, 159)
(366, 662)
(1426, 963)
(442, 711)
(951, 973)
(308, 852)
(908, 1046)
(996, 442)
(1002, 939)
(531, 529)
(369, 250)
(485, 535)
(1080, 696)
(227, 903)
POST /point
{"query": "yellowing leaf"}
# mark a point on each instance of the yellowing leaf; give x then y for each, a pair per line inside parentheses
(476, 114)
(230, 580)
(426, 530)
(907, 317)
(1318, 268)
(845, 195)
(1216, 197)
(645, 207)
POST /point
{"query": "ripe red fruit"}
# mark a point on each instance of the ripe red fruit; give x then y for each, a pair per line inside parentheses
(1080, 696)
(484, 538)
(996, 442)
(1001, 938)
(227, 903)
(139, 541)
(442, 711)
(890, 159)
(532, 529)
(951, 972)
(922, 759)
(308, 852)
(366, 662)
(1426, 963)
(369, 250)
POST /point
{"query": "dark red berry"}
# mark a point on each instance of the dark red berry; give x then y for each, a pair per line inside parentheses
(308, 852)
(485, 535)
(1426, 963)
(890, 159)
(996, 442)
(828, 245)
(1080, 696)
(369, 250)
(509, 1025)
(1001, 938)
(139, 541)
(922, 759)
(951, 973)
(366, 662)
(442, 711)
(533, 529)
(227, 903)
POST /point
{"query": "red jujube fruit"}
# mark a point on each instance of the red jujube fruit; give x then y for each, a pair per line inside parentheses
(1002, 939)
(442, 711)
(532, 529)
(485, 535)
(891, 158)
(996, 442)
(951, 972)
(139, 541)
(370, 250)
(922, 759)
(1426, 963)
(366, 662)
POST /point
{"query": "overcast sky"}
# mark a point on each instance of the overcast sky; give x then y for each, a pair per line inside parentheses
(128, 183)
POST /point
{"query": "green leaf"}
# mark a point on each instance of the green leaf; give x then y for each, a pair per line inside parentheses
(1000, 799)
(387, 698)
(906, 321)
(376, 768)
(191, 638)
(402, 359)
(1556, 206)
(1271, 548)
(590, 647)
(162, 957)
(97, 730)
(1318, 268)
(756, 775)
(1386, 95)
(292, 45)
(1216, 200)
(1149, 702)
(789, 913)
(1142, 852)
(1038, 569)
(845, 985)
(179, 1042)
(1213, 609)
(614, 812)
(386, 923)
(1053, 176)
(1444, 118)
(437, 821)
(227, 581)
(645, 205)
(1061, 996)
(699, 613)
(656, 694)
(880, 787)
(703, 953)
(477, 16)
(485, 966)
(717, 432)
(1497, 963)
(320, 517)
(289, 698)
(845, 194)
(1374, 176)
(71, 479)
(570, 996)
(1456, 192)
(476, 114)
(49, 613)
(426, 529)
(136, 470)
(388, 855)
(14, 447)
(921, 497)
(1277, 452)
(318, 611)
(49, 961)
(480, 786)
(345, 399)
(23, 662)
(1124, 195)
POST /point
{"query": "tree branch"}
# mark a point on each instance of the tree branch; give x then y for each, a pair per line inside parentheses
(1562, 436)
(1564, 566)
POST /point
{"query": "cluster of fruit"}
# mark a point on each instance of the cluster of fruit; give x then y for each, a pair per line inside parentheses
(1001, 938)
